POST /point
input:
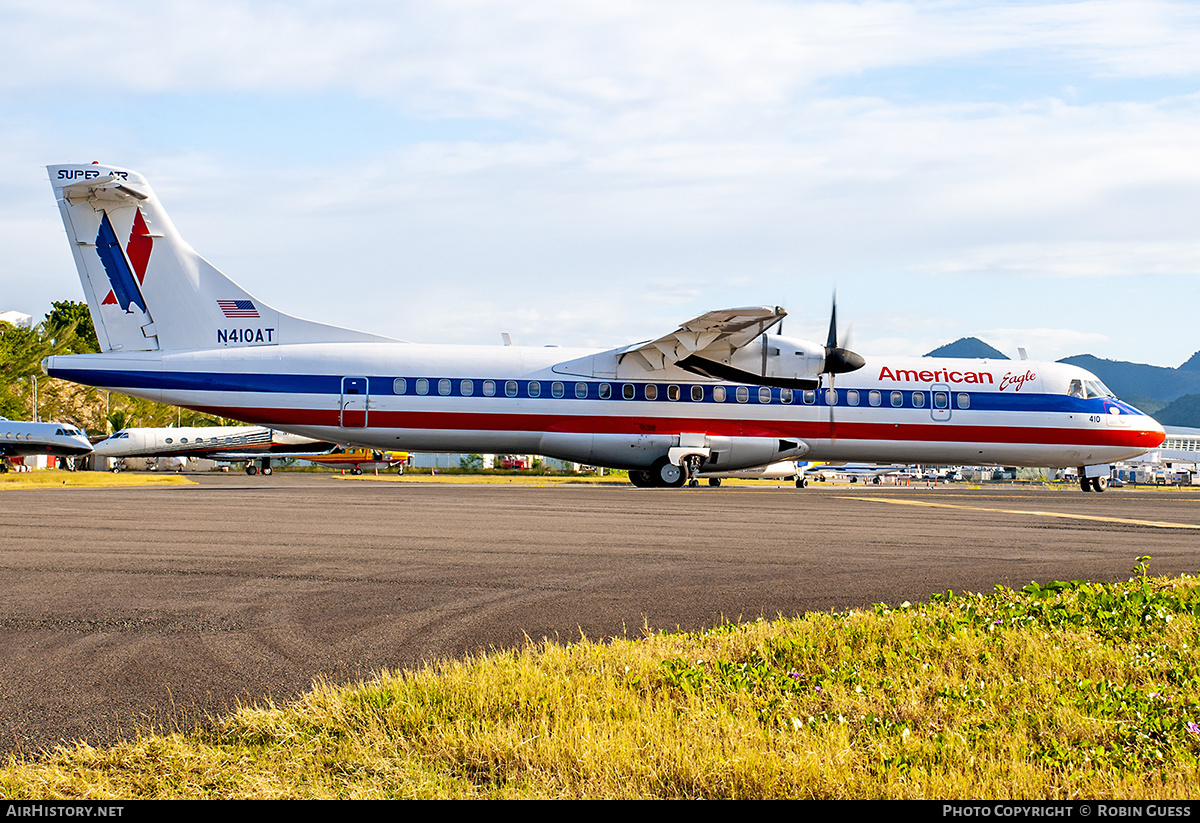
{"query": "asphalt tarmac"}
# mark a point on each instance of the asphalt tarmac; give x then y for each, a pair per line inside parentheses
(134, 608)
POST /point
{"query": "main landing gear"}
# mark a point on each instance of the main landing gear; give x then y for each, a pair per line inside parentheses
(663, 473)
(265, 464)
(1093, 484)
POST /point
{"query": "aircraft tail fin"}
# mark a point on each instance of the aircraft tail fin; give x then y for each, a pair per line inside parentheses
(147, 289)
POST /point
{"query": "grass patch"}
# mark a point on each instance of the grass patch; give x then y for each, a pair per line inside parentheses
(1059, 691)
(56, 479)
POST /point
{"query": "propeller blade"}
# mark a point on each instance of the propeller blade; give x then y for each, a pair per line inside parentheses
(831, 340)
(838, 358)
(833, 391)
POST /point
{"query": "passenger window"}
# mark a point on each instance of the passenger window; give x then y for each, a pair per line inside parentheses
(581, 390)
(831, 397)
(672, 392)
(918, 399)
(874, 398)
(718, 394)
(467, 387)
(556, 389)
(809, 397)
(422, 386)
(697, 394)
(785, 395)
(443, 387)
(510, 388)
(964, 400)
(605, 391)
(651, 391)
(897, 399)
(489, 388)
(852, 397)
(941, 400)
(743, 394)
(629, 391)
(535, 388)
(399, 385)
(764, 395)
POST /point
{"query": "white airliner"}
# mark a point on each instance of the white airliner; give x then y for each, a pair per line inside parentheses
(232, 443)
(718, 393)
(20, 438)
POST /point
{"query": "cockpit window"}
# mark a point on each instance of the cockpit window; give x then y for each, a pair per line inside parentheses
(1095, 388)
(1075, 389)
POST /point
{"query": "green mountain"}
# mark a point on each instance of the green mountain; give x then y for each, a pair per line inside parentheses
(1183, 412)
(968, 347)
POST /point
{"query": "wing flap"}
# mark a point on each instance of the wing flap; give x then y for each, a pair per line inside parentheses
(714, 336)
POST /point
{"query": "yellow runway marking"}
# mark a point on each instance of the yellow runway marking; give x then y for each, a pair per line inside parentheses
(1157, 524)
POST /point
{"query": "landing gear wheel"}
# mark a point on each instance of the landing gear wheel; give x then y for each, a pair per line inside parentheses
(251, 470)
(356, 470)
(714, 481)
(267, 470)
(1085, 484)
(801, 483)
(641, 479)
(667, 473)
(1099, 484)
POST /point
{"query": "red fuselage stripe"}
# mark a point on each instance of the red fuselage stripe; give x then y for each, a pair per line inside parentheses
(913, 432)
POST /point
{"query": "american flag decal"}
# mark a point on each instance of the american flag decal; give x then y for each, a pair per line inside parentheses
(237, 308)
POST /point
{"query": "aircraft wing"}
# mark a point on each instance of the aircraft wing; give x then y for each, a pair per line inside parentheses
(715, 335)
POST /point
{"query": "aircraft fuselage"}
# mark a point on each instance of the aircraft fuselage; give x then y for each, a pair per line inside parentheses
(523, 400)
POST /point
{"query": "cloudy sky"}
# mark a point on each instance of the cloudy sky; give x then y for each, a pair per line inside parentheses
(594, 173)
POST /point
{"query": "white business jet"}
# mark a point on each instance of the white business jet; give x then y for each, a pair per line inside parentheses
(226, 443)
(19, 438)
(718, 393)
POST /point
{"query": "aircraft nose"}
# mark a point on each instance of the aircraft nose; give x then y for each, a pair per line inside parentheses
(1154, 431)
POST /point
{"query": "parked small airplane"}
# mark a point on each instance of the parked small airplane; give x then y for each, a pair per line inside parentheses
(801, 472)
(794, 470)
(359, 459)
(231, 443)
(20, 438)
(860, 471)
(719, 393)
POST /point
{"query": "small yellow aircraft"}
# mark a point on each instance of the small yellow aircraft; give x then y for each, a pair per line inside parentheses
(358, 459)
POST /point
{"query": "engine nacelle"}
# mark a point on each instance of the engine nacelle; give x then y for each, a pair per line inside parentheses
(631, 451)
(774, 360)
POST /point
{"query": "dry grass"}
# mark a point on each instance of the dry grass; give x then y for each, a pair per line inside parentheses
(56, 479)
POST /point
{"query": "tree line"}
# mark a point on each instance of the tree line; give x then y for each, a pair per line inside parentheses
(28, 394)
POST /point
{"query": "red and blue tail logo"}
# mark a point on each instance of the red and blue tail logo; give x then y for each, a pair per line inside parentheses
(126, 269)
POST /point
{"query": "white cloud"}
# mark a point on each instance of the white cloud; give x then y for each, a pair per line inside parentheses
(645, 162)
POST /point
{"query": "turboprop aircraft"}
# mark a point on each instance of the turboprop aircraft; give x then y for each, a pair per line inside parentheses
(20, 438)
(717, 393)
(358, 459)
(231, 443)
